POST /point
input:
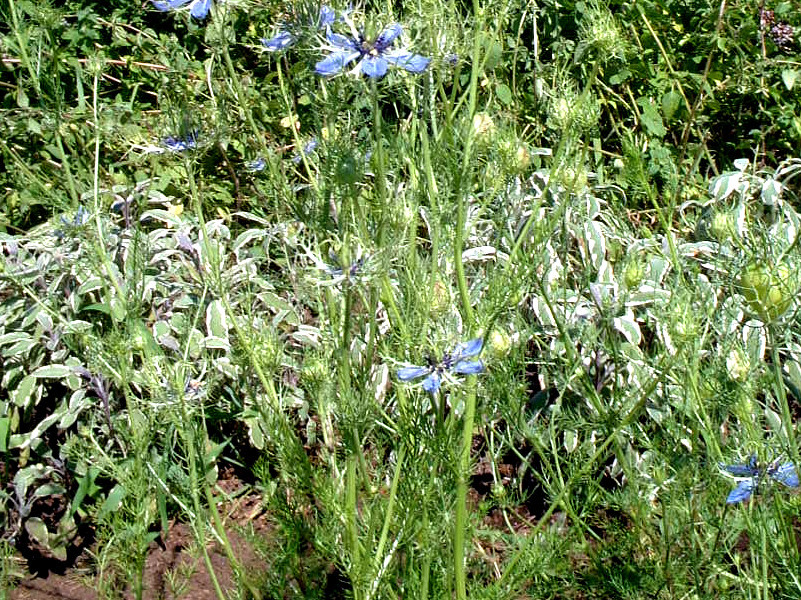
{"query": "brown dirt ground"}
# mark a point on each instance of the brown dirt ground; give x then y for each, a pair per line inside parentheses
(174, 567)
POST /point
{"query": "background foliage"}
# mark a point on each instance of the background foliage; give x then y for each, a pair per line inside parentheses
(604, 193)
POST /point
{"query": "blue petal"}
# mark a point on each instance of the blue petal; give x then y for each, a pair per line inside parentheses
(256, 165)
(168, 4)
(740, 470)
(470, 348)
(327, 16)
(334, 63)
(282, 40)
(432, 382)
(174, 144)
(374, 66)
(200, 9)
(409, 373)
(342, 42)
(786, 474)
(414, 63)
(469, 367)
(388, 36)
(742, 492)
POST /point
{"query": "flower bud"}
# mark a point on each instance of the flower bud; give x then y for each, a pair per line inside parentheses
(738, 365)
(500, 343)
(483, 127)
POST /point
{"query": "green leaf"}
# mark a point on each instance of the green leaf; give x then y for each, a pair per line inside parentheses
(788, 77)
(113, 501)
(99, 307)
(651, 119)
(14, 336)
(86, 487)
(504, 93)
(38, 531)
(670, 104)
(5, 424)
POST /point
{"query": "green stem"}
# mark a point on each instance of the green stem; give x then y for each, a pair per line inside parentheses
(378, 160)
(460, 525)
(352, 523)
(393, 492)
(295, 134)
(187, 432)
(234, 77)
(463, 187)
(781, 392)
(101, 249)
(664, 366)
(23, 48)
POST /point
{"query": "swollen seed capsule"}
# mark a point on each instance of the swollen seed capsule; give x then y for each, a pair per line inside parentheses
(500, 343)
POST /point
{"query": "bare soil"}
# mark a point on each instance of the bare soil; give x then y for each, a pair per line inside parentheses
(174, 567)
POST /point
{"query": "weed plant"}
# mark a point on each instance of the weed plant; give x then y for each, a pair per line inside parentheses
(487, 300)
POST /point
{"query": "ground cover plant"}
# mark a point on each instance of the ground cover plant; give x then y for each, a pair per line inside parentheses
(487, 300)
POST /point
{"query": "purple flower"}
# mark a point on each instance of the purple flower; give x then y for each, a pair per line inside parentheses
(460, 361)
(197, 8)
(373, 57)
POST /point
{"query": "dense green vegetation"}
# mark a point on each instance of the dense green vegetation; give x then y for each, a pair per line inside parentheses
(498, 302)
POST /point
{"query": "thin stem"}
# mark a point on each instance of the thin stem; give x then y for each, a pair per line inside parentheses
(393, 492)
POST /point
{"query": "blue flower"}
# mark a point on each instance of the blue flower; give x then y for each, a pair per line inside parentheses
(254, 166)
(373, 57)
(284, 39)
(80, 218)
(460, 361)
(197, 8)
(310, 146)
(337, 271)
(753, 473)
(181, 143)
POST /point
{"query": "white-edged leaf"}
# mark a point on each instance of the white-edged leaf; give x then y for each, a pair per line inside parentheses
(217, 343)
(13, 337)
(52, 371)
(22, 393)
(77, 326)
(628, 326)
(216, 320)
(596, 243)
(724, 185)
(90, 285)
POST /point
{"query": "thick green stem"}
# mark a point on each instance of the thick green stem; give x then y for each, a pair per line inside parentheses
(352, 517)
(378, 161)
(781, 393)
(460, 525)
(463, 190)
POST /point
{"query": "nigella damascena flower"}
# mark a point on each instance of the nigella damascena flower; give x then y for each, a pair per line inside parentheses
(284, 38)
(374, 57)
(197, 8)
(180, 143)
(753, 473)
(460, 360)
(308, 148)
(256, 165)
